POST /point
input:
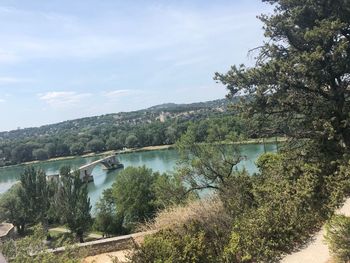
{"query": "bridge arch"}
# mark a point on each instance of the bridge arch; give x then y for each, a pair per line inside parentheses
(109, 163)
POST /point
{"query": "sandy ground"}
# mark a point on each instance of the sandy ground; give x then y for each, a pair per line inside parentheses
(65, 230)
(316, 251)
(108, 257)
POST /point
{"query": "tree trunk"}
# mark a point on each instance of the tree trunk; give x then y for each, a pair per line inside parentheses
(20, 229)
(80, 237)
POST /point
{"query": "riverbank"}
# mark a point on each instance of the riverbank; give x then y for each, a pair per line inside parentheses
(144, 149)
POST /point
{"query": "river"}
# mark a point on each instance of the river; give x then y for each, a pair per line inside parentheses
(159, 160)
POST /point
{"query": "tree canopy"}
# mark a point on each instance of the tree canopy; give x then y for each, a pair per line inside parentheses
(302, 73)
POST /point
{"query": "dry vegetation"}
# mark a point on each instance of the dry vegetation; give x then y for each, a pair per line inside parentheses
(207, 212)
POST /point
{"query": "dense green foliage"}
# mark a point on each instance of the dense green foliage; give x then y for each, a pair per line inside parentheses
(73, 203)
(28, 201)
(36, 200)
(135, 196)
(338, 237)
(299, 87)
(271, 212)
(12, 209)
(300, 80)
(172, 247)
(158, 125)
(32, 249)
(107, 219)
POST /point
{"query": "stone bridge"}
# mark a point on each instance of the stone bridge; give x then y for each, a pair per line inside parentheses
(109, 163)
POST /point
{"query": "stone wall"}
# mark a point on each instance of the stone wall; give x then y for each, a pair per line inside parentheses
(107, 245)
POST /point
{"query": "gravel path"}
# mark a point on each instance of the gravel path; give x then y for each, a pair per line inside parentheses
(316, 251)
(65, 230)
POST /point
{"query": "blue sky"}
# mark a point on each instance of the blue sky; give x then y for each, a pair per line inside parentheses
(63, 59)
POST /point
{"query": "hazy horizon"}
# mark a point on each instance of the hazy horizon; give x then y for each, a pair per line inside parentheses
(107, 113)
(61, 60)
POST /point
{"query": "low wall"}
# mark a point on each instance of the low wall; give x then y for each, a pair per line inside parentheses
(107, 245)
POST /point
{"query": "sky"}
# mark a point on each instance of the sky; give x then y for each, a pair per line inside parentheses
(63, 59)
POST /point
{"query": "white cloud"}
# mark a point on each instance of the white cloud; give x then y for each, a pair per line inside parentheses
(63, 99)
(2, 100)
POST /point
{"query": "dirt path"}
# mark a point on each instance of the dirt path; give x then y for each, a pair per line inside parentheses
(316, 251)
(108, 257)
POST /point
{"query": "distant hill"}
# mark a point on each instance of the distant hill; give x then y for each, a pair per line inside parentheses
(220, 103)
(158, 112)
(157, 125)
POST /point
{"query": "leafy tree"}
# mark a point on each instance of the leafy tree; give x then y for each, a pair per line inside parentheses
(34, 195)
(73, 203)
(96, 145)
(206, 165)
(40, 154)
(113, 144)
(77, 149)
(134, 195)
(62, 149)
(51, 149)
(28, 201)
(170, 190)
(107, 219)
(13, 210)
(301, 77)
(131, 141)
(21, 153)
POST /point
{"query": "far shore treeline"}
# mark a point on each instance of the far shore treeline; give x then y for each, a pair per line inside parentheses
(158, 125)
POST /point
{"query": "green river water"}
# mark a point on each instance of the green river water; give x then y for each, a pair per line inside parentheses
(160, 160)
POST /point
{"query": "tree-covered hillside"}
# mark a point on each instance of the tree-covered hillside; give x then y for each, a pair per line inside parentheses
(157, 125)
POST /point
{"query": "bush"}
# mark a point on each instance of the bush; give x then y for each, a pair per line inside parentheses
(195, 232)
(169, 246)
(32, 249)
(338, 237)
(287, 208)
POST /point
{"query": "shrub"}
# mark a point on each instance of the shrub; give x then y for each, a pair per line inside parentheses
(338, 237)
(202, 226)
(32, 249)
(169, 246)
